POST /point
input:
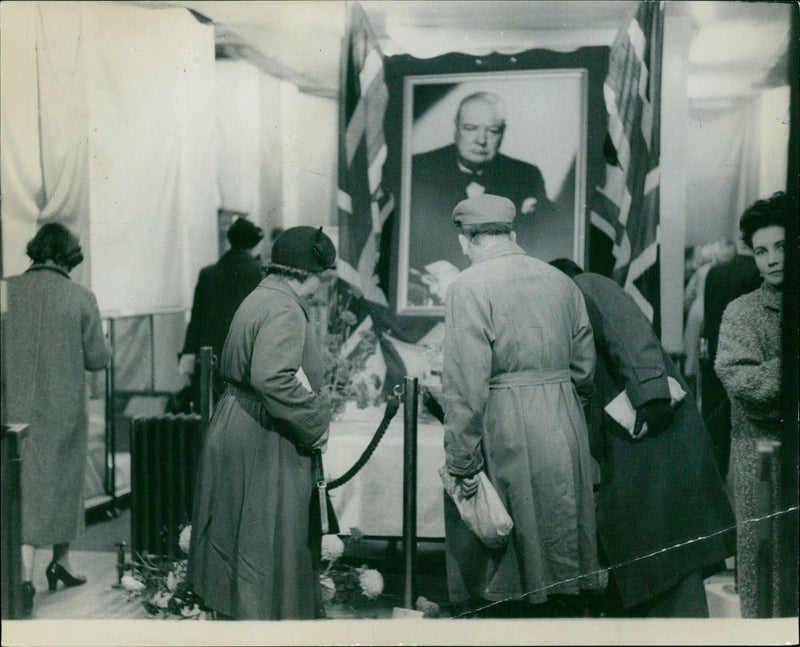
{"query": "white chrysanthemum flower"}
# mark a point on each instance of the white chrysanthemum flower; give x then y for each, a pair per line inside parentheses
(185, 539)
(172, 581)
(132, 584)
(371, 582)
(332, 548)
(161, 599)
(328, 588)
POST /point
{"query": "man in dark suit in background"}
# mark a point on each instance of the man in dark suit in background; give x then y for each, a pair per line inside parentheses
(724, 283)
(220, 290)
(441, 178)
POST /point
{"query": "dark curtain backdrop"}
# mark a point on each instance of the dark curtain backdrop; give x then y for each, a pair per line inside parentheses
(593, 59)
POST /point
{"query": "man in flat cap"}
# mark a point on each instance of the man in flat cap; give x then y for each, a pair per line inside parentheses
(471, 165)
(519, 360)
(220, 290)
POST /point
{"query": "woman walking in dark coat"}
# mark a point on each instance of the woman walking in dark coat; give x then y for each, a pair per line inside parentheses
(749, 365)
(53, 334)
(253, 552)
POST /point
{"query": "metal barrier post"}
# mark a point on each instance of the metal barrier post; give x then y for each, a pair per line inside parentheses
(111, 427)
(769, 495)
(206, 358)
(410, 405)
(11, 501)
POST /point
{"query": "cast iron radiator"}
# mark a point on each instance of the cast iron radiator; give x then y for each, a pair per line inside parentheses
(165, 453)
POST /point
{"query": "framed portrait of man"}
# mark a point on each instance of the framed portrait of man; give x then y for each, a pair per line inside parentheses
(518, 134)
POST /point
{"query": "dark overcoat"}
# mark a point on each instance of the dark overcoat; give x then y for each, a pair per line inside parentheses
(253, 553)
(662, 510)
(220, 290)
(52, 336)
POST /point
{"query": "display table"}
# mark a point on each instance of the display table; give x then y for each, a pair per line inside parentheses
(373, 499)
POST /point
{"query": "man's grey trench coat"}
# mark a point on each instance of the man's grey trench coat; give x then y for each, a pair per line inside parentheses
(519, 357)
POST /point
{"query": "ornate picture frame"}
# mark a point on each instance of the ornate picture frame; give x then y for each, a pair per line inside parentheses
(541, 110)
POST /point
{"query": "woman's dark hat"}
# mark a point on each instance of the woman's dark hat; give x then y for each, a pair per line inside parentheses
(243, 234)
(304, 248)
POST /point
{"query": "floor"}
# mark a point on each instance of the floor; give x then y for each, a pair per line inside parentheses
(94, 555)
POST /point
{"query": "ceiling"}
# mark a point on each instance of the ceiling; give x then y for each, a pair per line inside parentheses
(734, 47)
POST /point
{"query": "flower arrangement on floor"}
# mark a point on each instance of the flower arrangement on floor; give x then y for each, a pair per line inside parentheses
(159, 582)
(356, 588)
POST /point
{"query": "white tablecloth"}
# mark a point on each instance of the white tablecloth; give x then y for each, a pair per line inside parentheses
(373, 499)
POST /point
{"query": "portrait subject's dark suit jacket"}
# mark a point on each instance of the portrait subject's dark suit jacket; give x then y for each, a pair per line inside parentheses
(438, 185)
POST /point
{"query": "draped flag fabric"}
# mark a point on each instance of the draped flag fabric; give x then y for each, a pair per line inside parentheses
(363, 204)
(626, 208)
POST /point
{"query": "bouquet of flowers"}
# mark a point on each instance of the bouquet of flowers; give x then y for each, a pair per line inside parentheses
(348, 351)
(354, 587)
(160, 583)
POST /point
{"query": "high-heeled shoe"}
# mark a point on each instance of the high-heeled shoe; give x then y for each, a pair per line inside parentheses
(56, 571)
(27, 598)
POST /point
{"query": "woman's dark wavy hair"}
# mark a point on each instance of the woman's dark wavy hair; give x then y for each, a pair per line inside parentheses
(54, 242)
(763, 213)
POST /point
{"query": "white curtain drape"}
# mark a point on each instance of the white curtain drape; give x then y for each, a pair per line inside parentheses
(737, 154)
(20, 168)
(152, 166)
(108, 126)
(308, 157)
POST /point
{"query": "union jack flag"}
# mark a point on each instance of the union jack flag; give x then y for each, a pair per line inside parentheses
(363, 204)
(626, 208)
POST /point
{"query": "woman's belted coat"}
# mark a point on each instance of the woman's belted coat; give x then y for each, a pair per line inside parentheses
(253, 553)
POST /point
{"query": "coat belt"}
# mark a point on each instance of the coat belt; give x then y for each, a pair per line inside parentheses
(529, 378)
(242, 392)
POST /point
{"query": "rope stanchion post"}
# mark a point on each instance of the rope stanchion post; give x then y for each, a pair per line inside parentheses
(410, 411)
(111, 426)
(206, 358)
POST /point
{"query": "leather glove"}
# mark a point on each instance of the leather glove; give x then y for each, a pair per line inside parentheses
(321, 443)
(657, 415)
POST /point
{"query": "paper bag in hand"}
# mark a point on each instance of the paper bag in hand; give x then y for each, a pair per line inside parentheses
(483, 513)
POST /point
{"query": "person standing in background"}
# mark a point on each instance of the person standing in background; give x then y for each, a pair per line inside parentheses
(748, 363)
(53, 335)
(220, 290)
(663, 518)
(518, 363)
(724, 283)
(712, 254)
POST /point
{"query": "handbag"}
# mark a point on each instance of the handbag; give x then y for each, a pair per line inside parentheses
(321, 523)
(483, 513)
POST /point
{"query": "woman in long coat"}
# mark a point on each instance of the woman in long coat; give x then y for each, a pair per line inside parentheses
(748, 364)
(53, 334)
(663, 518)
(253, 551)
